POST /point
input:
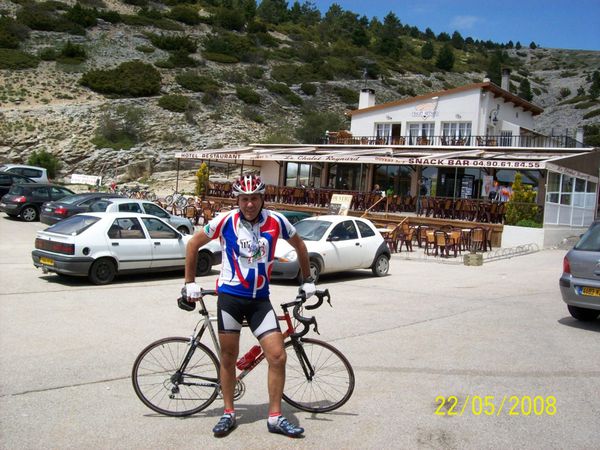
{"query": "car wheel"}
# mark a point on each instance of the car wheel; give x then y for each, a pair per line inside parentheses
(583, 314)
(29, 214)
(315, 269)
(183, 230)
(203, 265)
(381, 266)
(103, 271)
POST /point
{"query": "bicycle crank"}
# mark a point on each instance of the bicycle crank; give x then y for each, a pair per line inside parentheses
(238, 392)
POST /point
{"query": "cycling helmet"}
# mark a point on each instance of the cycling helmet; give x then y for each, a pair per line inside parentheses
(248, 184)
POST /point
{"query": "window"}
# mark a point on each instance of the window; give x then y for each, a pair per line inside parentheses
(383, 129)
(5, 180)
(126, 228)
(58, 192)
(456, 132)
(344, 231)
(160, 230)
(506, 138)
(130, 207)
(40, 193)
(365, 230)
(73, 225)
(307, 175)
(569, 200)
(420, 133)
(156, 210)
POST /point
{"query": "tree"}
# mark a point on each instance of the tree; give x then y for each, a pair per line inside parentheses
(457, 41)
(201, 180)
(518, 45)
(273, 11)
(314, 125)
(443, 37)
(429, 34)
(494, 70)
(45, 159)
(510, 44)
(595, 87)
(388, 40)
(521, 206)
(525, 90)
(532, 45)
(445, 59)
(427, 50)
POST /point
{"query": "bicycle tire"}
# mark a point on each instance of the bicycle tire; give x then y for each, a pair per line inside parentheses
(169, 200)
(153, 371)
(333, 381)
(181, 202)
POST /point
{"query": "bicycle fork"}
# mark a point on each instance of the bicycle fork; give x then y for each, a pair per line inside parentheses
(309, 371)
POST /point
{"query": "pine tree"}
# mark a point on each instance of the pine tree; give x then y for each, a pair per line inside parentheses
(525, 90)
(427, 51)
(445, 59)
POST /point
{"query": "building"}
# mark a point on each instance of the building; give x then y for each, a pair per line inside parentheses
(462, 143)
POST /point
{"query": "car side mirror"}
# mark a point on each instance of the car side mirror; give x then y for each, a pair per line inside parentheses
(333, 238)
(179, 236)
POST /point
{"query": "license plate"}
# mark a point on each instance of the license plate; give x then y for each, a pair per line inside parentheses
(593, 292)
(48, 209)
(47, 261)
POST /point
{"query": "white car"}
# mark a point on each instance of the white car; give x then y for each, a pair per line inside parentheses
(102, 245)
(182, 224)
(334, 244)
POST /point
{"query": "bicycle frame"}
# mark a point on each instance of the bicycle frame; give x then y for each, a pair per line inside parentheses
(207, 325)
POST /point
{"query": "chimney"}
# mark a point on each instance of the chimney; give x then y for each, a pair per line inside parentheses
(579, 137)
(505, 79)
(366, 99)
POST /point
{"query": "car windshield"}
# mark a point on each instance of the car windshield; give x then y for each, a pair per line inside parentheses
(17, 190)
(312, 230)
(73, 225)
(590, 241)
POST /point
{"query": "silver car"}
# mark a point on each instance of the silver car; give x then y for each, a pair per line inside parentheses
(182, 224)
(580, 281)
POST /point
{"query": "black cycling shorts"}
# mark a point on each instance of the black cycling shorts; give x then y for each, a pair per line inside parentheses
(258, 312)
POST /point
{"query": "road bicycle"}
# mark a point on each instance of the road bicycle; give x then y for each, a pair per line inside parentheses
(179, 376)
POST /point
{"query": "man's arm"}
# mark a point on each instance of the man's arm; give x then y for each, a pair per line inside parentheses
(191, 254)
(297, 242)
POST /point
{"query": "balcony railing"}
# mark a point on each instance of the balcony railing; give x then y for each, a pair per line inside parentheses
(488, 141)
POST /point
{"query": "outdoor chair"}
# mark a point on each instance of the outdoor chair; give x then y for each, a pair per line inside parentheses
(477, 239)
(441, 243)
(191, 212)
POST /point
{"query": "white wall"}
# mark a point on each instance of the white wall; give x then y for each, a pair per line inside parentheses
(269, 172)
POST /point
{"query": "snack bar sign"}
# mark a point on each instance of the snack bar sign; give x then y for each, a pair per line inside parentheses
(363, 159)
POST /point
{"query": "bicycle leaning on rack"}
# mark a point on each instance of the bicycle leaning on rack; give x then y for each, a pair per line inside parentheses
(179, 376)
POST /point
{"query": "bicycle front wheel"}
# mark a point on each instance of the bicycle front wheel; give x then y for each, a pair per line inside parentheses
(162, 387)
(319, 378)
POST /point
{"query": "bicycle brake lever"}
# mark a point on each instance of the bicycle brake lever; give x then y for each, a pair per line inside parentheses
(316, 328)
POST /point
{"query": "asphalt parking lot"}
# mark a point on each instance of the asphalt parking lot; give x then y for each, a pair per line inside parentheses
(496, 336)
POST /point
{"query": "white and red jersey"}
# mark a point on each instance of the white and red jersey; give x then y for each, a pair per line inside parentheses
(248, 250)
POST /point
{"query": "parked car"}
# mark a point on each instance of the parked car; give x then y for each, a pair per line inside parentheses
(70, 205)
(101, 245)
(295, 216)
(580, 280)
(334, 244)
(26, 199)
(182, 224)
(37, 174)
(7, 179)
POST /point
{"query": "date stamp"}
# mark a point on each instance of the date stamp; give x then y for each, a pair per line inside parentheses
(491, 405)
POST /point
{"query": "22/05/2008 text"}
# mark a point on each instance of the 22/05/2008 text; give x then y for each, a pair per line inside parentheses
(490, 405)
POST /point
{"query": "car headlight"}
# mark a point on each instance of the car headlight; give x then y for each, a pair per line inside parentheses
(290, 256)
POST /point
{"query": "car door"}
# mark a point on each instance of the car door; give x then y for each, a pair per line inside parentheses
(155, 210)
(129, 244)
(343, 251)
(369, 242)
(168, 249)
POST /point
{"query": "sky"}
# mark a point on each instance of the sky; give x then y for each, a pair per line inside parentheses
(568, 24)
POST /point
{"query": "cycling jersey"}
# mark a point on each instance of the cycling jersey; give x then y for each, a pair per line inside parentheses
(248, 250)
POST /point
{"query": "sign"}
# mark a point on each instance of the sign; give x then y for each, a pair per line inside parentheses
(488, 186)
(362, 159)
(86, 179)
(340, 204)
(573, 173)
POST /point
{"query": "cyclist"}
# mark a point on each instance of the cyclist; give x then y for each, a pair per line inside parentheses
(248, 236)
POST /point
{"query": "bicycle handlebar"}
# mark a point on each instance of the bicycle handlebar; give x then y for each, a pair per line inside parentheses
(296, 304)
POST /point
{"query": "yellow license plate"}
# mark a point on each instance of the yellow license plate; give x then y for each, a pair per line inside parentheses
(594, 292)
(47, 261)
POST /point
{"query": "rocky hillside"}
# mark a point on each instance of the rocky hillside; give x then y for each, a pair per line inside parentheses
(45, 107)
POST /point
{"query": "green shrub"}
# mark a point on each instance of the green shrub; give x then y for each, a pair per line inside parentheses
(252, 114)
(314, 124)
(129, 79)
(348, 96)
(45, 159)
(179, 58)
(308, 88)
(81, 16)
(220, 58)
(43, 17)
(174, 102)
(121, 129)
(142, 3)
(72, 53)
(294, 73)
(202, 177)
(184, 13)
(564, 93)
(143, 21)
(197, 83)
(591, 114)
(586, 105)
(227, 44)
(279, 88)
(12, 59)
(109, 16)
(255, 72)
(12, 33)
(173, 43)
(145, 49)
(48, 54)
(529, 223)
(247, 95)
(230, 19)
(521, 205)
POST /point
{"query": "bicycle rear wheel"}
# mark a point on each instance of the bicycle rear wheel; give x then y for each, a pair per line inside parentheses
(328, 387)
(161, 387)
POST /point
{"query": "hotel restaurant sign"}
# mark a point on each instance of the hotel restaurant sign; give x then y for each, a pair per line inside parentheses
(361, 159)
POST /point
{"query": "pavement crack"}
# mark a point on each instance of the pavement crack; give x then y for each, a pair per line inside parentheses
(66, 386)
